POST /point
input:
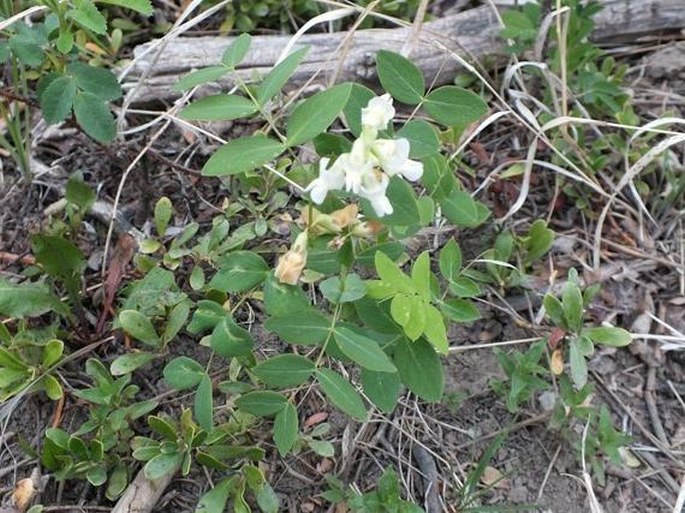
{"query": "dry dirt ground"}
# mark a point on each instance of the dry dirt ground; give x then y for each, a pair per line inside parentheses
(433, 447)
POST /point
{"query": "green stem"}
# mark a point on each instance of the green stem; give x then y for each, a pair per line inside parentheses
(336, 315)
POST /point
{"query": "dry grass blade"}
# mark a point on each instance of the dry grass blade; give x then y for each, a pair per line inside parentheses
(22, 15)
(326, 17)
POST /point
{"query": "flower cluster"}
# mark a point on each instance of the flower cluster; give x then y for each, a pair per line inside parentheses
(367, 168)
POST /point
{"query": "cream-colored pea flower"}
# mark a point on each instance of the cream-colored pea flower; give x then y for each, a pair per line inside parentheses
(378, 113)
(393, 157)
(373, 188)
(329, 179)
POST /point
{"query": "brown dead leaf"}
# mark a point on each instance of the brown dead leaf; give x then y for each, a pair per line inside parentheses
(556, 364)
(23, 493)
(555, 337)
(493, 477)
(315, 419)
(341, 507)
(122, 255)
(325, 466)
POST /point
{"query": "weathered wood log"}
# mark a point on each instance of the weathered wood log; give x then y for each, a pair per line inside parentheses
(142, 493)
(474, 32)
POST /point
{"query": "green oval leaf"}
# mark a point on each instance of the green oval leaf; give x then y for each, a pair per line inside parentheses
(261, 403)
(359, 98)
(183, 373)
(200, 77)
(127, 363)
(139, 327)
(162, 464)
(450, 260)
(52, 352)
(362, 350)
(460, 310)
(452, 105)
(341, 393)
(286, 370)
(239, 271)
(462, 210)
(400, 77)
(244, 154)
(204, 403)
(230, 340)
(420, 369)
(382, 388)
(52, 387)
(279, 75)
(236, 51)
(314, 115)
(423, 140)
(609, 336)
(310, 327)
(141, 6)
(87, 15)
(219, 107)
(27, 300)
(286, 429)
(99, 81)
(214, 501)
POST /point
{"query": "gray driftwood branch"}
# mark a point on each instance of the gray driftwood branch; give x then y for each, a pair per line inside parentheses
(472, 34)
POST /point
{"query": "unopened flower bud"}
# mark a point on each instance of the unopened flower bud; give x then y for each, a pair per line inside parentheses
(556, 363)
(346, 216)
(292, 263)
(319, 224)
(368, 229)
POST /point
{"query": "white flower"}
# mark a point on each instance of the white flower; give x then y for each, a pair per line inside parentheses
(378, 113)
(356, 165)
(373, 188)
(329, 179)
(393, 157)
